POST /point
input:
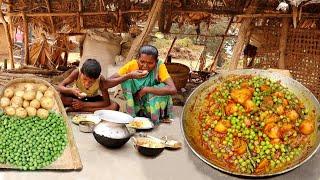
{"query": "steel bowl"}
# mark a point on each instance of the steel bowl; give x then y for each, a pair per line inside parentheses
(190, 127)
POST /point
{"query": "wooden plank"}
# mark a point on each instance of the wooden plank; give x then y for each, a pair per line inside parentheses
(283, 42)
(70, 158)
(152, 18)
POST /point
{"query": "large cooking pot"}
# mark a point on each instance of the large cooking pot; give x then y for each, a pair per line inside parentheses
(190, 125)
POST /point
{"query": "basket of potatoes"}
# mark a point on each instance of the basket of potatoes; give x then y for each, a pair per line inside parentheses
(27, 99)
(34, 131)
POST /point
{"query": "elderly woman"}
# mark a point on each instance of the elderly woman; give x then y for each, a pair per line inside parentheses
(147, 85)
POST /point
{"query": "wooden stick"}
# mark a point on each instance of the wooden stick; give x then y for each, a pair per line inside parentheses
(241, 36)
(6, 29)
(204, 35)
(283, 42)
(25, 39)
(215, 59)
(152, 18)
(169, 51)
(51, 19)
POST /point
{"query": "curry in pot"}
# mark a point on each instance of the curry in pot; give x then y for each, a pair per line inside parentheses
(253, 125)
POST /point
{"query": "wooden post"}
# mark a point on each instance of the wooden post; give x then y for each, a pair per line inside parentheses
(11, 28)
(6, 29)
(152, 18)
(294, 15)
(245, 25)
(215, 59)
(168, 20)
(51, 18)
(80, 18)
(247, 41)
(25, 39)
(162, 19)
(283, 42)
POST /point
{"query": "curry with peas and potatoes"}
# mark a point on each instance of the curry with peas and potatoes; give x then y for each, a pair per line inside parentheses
(253, 125)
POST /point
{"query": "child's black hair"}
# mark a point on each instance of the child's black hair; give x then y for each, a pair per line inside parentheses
(91, 68)
(149, 50)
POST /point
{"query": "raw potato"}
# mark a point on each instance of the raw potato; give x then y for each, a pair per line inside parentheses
(10, 111)
(5, 102)
(29, 95)
(16, 101)
(49, 93)
(25, 103)
(19, 93)
(42, 88)
(35, 103)
(29, 87)
(8, 93)
(31, 111)
(21, 112)
(39, 95)
(42, 113)
(47, 102)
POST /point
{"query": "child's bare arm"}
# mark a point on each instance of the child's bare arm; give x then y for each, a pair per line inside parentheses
(71, 78)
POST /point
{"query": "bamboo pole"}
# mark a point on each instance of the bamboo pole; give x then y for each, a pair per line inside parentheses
(6, 29)
(152, 18)
(25, 39)
(215, 59)
(241, 36)
(18, 14)
(51, 18)
(11, 28)
(283, 42)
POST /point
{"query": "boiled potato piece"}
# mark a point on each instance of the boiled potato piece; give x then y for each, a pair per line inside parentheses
(31, 111)
(10, 111)
(49, 93)
(42, 113)
(19, 93)
(39, 95)
(16, 101)
(29, 95)
(9, 92)
(42, 88)
(47, 102)
(25, 103)
(5, 102)
(21, 112)
(30, 87)
(306, 127)
(35, 103)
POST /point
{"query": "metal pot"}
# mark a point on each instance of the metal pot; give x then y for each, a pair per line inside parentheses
(111, 135)
(189, 125)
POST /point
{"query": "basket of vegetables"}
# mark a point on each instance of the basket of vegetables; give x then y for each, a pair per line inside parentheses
(34, 131)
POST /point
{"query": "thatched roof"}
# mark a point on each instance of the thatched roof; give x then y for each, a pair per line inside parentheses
(120, 16)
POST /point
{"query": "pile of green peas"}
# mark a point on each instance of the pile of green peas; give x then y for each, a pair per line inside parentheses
(31, 143)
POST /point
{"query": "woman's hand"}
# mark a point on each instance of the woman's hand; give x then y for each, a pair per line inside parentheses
(141, 93)
(137, 74)
(77, 104)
